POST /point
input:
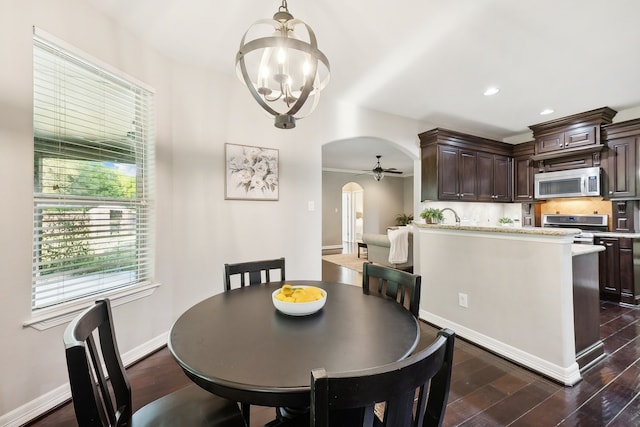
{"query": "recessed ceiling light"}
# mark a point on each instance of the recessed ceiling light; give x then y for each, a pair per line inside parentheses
(491, 91)
(546, 111)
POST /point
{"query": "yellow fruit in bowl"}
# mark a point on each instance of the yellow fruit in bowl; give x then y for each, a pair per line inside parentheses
(286, 290)
(290, 293)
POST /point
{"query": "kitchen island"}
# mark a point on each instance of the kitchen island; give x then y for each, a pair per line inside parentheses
(511, 290)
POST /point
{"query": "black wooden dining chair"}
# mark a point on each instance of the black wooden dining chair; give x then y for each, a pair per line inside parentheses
(253, 271)
(392, 283)
(409, 393)
(93, 395)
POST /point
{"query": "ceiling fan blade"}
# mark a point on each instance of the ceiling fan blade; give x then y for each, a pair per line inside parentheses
(392, 171)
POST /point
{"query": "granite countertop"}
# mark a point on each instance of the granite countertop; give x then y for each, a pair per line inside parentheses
(512, 230)
(617, 234)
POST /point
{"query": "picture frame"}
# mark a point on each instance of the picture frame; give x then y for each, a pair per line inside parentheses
(251, 173)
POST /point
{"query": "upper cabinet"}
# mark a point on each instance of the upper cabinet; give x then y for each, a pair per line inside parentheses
(569, 139)
(457, 166)
(493, 177)
(571, 142)
(462, 167)
(523, 172)
(621, 160)
(456, 173)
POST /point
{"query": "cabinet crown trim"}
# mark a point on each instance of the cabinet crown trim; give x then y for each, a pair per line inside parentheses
(463, 140)
(622, 129)
(595, 117)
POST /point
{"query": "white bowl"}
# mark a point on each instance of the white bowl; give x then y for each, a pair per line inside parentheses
(298, 308)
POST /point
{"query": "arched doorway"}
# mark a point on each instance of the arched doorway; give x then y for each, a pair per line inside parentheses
(352, 213)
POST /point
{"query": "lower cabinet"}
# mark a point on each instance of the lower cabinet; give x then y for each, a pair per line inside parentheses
(618, 275)
(627, 282)
(609, 266)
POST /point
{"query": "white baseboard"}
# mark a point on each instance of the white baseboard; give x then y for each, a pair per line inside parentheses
(331, 247)
(567, 376)
(59, 395)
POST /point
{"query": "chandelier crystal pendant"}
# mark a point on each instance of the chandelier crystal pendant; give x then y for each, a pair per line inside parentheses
(279, 61)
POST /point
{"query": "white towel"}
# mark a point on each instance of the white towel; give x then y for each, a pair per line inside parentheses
(399, 249)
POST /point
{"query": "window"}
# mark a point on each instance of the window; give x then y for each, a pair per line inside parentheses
(93, 177)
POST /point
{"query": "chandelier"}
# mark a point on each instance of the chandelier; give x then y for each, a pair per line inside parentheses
(279, 61)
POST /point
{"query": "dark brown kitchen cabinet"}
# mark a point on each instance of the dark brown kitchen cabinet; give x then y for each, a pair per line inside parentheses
(624, 213)
(627, 292)
(621, 168)
(531, 216)
(617, 269)
(493, 178)
(523, 172)
(571, 142)
(457, 173)
(572, 138)
(621, 165)
(457, 166)
(609, 268)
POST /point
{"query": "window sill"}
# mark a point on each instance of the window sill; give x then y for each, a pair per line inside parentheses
(54, 316)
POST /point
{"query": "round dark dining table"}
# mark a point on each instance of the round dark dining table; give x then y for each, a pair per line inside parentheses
(238, 345)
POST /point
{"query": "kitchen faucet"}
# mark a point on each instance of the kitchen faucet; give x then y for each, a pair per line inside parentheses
(457, 218)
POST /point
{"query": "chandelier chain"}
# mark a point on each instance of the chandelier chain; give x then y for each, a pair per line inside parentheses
(284, 7)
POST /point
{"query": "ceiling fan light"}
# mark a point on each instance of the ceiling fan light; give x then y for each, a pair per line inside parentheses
(378, 172)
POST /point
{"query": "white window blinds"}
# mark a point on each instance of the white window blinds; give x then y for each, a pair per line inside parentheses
(93, 178)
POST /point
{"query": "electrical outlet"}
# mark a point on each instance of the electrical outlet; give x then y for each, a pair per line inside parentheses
(463, 300)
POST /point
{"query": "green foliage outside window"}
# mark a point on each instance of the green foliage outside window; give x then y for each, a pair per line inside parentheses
(67, 232)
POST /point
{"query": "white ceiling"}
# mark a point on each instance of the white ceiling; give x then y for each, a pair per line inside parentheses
(429, 60)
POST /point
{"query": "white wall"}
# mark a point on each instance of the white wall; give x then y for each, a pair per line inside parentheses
(197, 111)
(514, 307)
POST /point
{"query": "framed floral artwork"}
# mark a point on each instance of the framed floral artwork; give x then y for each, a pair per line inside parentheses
(251, 173)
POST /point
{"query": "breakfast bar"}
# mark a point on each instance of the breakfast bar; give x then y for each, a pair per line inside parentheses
(527, 294)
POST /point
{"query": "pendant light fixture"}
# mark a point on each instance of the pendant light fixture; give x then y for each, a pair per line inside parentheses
(281, 65)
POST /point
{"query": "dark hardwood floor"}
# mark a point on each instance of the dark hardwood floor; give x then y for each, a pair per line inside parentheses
(486, 390)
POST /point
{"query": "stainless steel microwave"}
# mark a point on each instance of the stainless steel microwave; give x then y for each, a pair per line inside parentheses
(568, 183)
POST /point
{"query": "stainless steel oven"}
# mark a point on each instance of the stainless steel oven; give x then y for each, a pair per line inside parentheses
(588, 225)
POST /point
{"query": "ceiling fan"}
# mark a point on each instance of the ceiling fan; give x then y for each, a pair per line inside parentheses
(378, 171)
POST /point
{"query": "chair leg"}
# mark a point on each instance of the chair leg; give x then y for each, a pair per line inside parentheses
(246, 412)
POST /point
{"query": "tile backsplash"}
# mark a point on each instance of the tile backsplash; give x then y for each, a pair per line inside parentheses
(487, 214)
(480, 214)
(584, 206)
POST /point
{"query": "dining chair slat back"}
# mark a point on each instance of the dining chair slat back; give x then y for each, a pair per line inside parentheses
(253, 271)
(91, 392)
(414, 391)
(393, 283)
